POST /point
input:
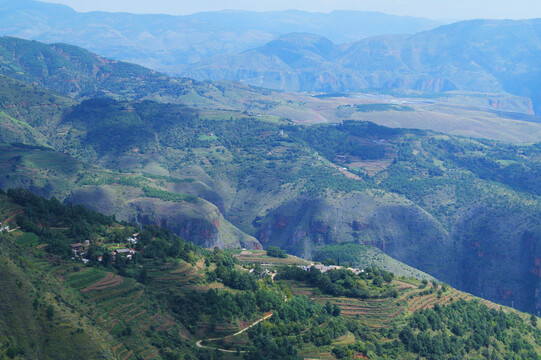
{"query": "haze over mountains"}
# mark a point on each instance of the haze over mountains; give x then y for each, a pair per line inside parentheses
(342, 51)
(167, 43)
(478, 55)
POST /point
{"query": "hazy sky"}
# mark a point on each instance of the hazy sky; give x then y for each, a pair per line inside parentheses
(437, 9)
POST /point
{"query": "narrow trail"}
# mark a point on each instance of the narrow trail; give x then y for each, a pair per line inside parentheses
(198, 344)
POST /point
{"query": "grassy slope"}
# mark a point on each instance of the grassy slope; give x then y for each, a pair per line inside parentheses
(454, 114)
(363, 256)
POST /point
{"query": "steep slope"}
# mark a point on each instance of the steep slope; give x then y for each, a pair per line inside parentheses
(29, 112)
(74, 71)
(172, 299)
(77, 73)
(196, 220)
(167, 43)
(479, 55)
(406, 191)
(411, 193)
(30, 325)
(128, 196)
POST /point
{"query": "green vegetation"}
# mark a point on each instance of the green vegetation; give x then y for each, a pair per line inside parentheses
(370, 283)
(365, 256)
(459, 329)
(275, 251)
(279, 337)
(172, 293)
(362, 140)
(167, 196)
(434, 201)
(257, 173)
(382, 107)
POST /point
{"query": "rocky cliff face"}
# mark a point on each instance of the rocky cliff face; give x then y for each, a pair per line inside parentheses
(494, 253)
(200, 222)
(501, 261)
(395, 225)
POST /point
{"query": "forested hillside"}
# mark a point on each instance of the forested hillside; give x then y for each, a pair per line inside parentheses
(70, 291)
(465, 211)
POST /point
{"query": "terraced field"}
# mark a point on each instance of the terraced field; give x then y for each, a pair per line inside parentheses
(26, 239)
(309, 351)
(382, 312)
(85, 278)
(109, 281)
(123, 310)
(180, 272)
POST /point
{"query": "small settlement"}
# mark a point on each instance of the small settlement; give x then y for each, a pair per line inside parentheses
(325, 268)
(80, 250)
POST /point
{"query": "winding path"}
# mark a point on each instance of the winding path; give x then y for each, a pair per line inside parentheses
(198, 344)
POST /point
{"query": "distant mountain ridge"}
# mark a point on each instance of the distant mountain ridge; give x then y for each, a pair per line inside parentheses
(477, 55)
(167, 43)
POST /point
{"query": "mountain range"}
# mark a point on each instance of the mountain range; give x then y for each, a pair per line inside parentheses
(478, 55)
(341, 51)
(465, 211)
(355, 210)
(168, 43)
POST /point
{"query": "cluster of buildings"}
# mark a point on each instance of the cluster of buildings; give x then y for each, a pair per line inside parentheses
(325, 268)
(80, 250)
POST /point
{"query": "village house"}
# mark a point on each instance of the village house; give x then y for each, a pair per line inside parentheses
(77, 248)
(325, 268)
(128, 253)
(133, 239)
(4, 228)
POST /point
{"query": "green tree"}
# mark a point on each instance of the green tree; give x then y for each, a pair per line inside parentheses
(142, 277)
(49, 312)
(533, 320)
